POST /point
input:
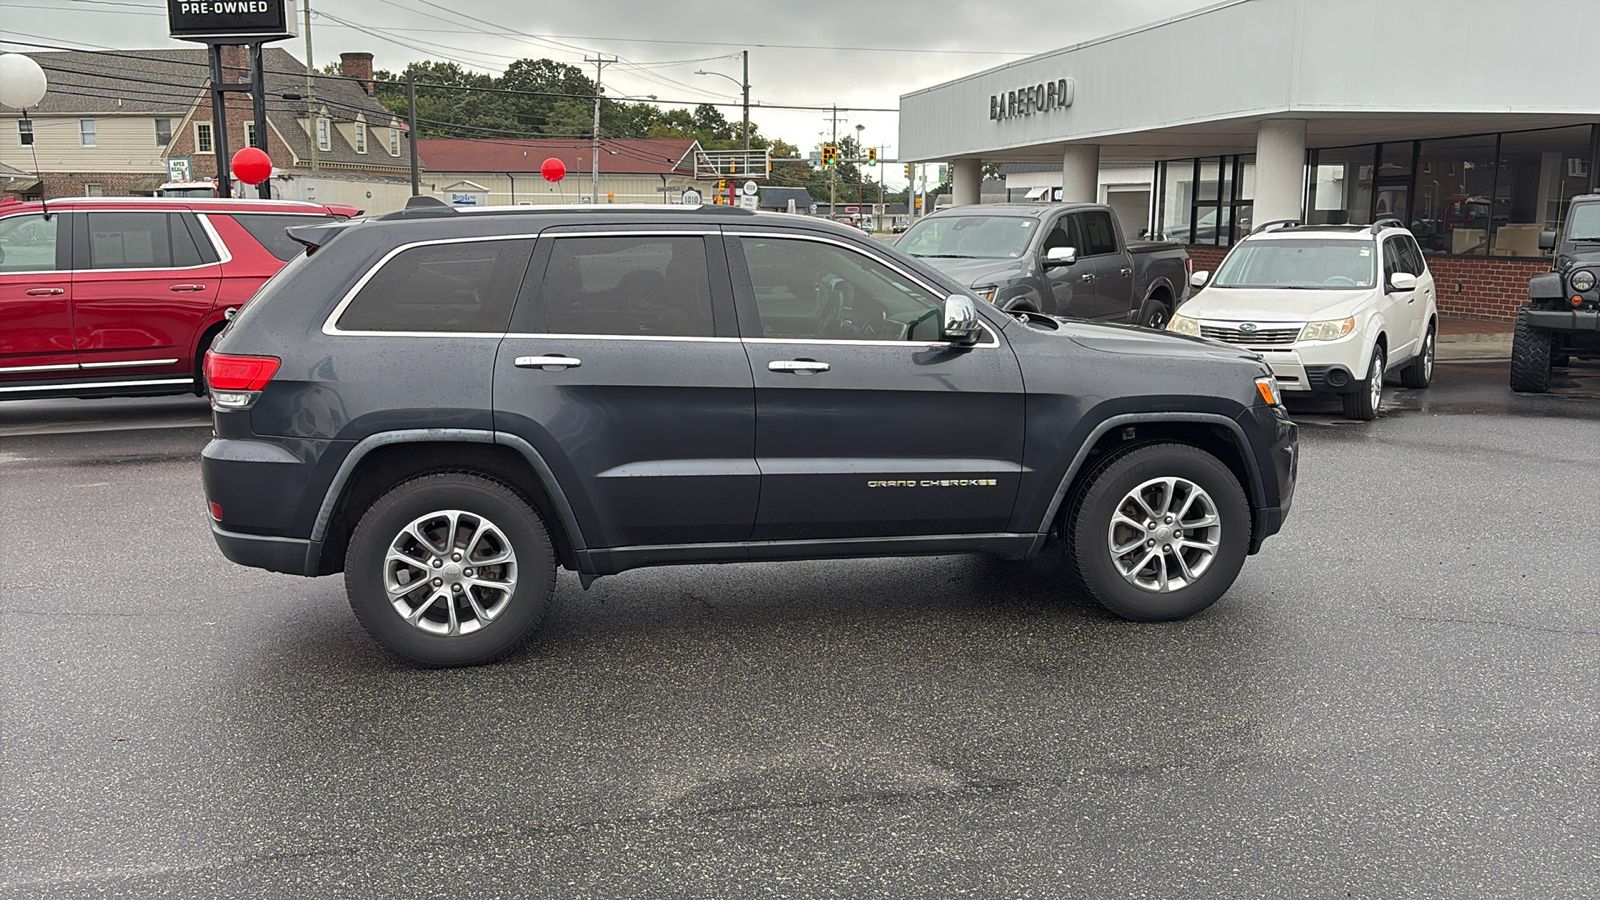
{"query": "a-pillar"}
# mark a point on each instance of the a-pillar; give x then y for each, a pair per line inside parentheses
(1280, 169)
(1080, 173)
(966, 182)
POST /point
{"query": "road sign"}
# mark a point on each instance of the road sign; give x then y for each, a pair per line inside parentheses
(749, 201)
(750, 188)
(242, 20)
(691, 197)
(179, 169)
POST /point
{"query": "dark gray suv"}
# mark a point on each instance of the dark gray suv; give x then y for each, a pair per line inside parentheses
(447, 405)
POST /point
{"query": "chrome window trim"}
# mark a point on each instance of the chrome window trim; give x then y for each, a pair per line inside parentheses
(217, 243)
(994, 341)
(330, 328)
(558, 336)
(80, 385)
(56, 367)
(125, 363)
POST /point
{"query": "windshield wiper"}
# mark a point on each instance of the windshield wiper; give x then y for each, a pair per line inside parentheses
(1584, 240)
(942, 256)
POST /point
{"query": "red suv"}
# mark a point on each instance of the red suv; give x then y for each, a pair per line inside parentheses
(121, 296)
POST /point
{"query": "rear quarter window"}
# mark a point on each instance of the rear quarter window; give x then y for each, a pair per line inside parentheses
(467, 286)
(268, 230)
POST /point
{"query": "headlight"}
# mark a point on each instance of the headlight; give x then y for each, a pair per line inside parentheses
(988, 292)
(1268, 388)
(1184, 325)
(1328, 331)
(1583, 280)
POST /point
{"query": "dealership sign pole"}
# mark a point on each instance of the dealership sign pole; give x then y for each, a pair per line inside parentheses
(220, 23)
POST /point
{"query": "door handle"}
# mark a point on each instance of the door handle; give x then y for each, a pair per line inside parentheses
(550, 362)
(798, 366)
(1126, 271)
(1088, 276)
(45, 292)
(187, 288)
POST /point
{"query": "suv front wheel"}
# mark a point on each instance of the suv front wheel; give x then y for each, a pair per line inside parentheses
(450, 569)
(1531, 353)
(1159, 532)
(1364, 403)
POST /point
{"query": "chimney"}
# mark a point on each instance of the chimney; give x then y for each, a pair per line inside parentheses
(359, 67)
(235, 63)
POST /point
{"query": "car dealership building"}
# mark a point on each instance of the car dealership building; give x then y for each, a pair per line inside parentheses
(1474, 122)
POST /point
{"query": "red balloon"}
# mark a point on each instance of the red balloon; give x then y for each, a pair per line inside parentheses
(553, 169)
(252, 165)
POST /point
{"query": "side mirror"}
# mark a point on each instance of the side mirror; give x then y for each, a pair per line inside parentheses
(961, 325)
(1402, 281)
(1547, 240)
(1060, 256)
(1199, 279)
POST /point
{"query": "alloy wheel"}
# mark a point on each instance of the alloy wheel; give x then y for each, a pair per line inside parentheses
(1164, 534)
(450, 572)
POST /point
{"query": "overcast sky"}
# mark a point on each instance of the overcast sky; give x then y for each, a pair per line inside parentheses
(662, 43)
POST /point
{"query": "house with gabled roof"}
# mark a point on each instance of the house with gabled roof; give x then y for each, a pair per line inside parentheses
(639, 170)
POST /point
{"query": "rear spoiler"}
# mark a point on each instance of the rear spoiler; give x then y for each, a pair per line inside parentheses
(313, 237)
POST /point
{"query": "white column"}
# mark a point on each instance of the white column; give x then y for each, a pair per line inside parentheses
(1280, 169)
(1080, 173)
(966, 182)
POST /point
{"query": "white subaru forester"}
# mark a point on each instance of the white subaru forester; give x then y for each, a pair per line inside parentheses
(1329, 307)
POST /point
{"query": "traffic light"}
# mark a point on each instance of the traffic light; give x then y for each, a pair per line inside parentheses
(830, 156)
(722, 190)
(908, 171)
(872, 156)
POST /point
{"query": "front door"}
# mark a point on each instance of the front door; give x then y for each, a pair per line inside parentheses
(1399, 307)
(867, 424)
(624, 370)
(1072, 288)
(140, 292)
(1113, 275)
(35, 300)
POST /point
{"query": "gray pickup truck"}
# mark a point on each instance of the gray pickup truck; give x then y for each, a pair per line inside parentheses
(1063, 259)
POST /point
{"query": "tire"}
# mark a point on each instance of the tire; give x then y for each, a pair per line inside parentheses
(1530, 357)
(498, 606)
(1420, 373)
(1154, 314)
(1368, 397)
(1138, 584)
(200, 386)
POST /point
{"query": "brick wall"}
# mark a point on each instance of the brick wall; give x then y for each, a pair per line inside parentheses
(70, 184)
(1472, 287)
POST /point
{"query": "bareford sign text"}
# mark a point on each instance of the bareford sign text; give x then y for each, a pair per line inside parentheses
(1039, 98)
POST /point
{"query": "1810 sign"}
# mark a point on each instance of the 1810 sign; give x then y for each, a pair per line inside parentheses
(219, 20)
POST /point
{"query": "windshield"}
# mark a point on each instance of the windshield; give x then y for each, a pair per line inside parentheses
(1299, 264)
(1583, 222)
(975, 237)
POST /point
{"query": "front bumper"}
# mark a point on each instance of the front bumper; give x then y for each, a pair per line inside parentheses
(1275, 440)
(1333, 366)
(1563, 319)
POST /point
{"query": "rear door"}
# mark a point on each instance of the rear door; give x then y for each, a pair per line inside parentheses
(624, 370)
(1113, 274)
(867, 425)
(35, 300)
(141, 288)
(1071, 287)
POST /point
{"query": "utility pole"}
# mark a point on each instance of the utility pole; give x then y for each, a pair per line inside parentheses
(833, 170)
(411, 114)
(600, 62)
(311, 97)
(746, 54)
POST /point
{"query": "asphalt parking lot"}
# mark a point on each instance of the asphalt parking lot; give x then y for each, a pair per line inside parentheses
(1397, 699)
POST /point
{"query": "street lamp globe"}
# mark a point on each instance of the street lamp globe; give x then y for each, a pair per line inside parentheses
(22, 82)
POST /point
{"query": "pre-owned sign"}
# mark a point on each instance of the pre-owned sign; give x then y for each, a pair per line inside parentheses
(246, 20)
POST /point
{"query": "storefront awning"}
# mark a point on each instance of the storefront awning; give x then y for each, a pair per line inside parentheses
(1037, 192)
(19, 185)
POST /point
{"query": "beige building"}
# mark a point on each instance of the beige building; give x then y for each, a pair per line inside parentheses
(507, 172)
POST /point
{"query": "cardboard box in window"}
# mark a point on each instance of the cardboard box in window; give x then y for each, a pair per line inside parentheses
(1465, 240)
(1517, 240)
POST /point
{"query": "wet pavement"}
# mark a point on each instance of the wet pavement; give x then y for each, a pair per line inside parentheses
(1397, 699)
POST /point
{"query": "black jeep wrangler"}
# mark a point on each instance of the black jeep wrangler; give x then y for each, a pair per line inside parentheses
(1562, 318)
(446, 406)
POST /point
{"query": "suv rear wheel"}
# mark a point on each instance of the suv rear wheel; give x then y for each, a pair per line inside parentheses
(450, 569)
(1420, 373)
(1530, 357)
(1159, 532)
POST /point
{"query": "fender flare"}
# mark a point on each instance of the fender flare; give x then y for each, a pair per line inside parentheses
(341, 478)
(1254, 488)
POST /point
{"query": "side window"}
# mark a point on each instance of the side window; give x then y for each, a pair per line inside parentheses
(466, 286)
(268, 230)
(185, 252)
(1392, 261)
(130, 240)
(28, 244)
(811, 290)
(1413, 256)
(1061, 235)
(645, 285)
(1098, 233)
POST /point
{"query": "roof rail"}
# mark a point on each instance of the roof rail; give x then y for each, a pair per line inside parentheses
(1386, 221)
(1287, 223)
(432, 207)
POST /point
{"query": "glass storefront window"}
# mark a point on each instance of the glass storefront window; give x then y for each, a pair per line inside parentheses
(1455, 184)
(1537, 175)
(1177, 200)
(1341, 192)
(1395, 160)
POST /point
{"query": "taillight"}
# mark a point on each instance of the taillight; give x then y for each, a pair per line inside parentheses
(1188, 265)
(216, 510)
(226, 372)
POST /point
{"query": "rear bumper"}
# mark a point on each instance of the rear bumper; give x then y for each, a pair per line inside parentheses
(291, 556)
